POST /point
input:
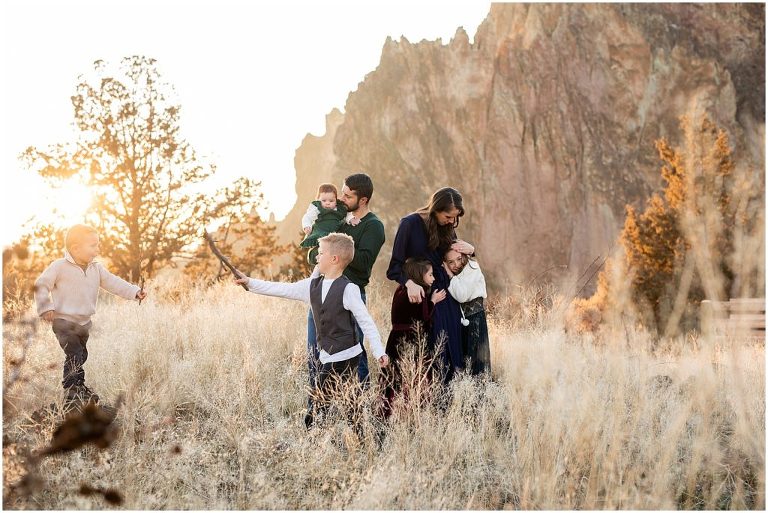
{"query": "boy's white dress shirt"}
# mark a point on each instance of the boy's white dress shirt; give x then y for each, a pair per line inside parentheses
(352, 302)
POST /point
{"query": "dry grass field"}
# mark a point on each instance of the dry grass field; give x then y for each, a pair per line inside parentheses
(213, 400)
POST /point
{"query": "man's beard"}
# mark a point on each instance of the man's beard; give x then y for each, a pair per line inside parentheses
(352, 207)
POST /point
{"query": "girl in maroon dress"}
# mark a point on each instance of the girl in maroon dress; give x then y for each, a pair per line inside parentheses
(410, 321)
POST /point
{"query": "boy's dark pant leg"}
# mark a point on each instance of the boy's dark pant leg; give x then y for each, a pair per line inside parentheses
(332, 380)
(72, 339)
(313, 356)
(313, 360)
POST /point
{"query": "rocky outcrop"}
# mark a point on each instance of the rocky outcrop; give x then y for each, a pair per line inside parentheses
(546, 123)
(315, 163)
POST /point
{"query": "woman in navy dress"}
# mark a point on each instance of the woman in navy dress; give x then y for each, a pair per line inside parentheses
(429, 233)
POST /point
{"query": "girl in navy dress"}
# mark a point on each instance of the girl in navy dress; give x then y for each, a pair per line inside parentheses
(429, 233)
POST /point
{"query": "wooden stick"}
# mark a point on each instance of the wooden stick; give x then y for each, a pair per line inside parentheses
(224, 260)
(141, 286)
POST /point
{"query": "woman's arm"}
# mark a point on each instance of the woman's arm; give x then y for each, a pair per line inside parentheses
(399, 256)
(463, 247)
(399, 253)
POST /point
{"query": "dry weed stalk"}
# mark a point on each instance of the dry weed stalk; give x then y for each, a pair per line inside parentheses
(83, 425)
(215, 394)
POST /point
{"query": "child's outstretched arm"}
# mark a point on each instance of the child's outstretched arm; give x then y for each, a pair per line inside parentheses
(298, 291)
(118, 286)
(354, 303)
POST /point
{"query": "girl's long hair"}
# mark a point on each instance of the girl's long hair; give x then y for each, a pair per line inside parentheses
(443, 200)
(415, 269)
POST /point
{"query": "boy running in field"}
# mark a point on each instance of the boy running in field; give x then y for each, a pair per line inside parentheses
(66, 294)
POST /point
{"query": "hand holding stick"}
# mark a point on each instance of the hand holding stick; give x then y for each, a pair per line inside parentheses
(224, 260)
(140, 294)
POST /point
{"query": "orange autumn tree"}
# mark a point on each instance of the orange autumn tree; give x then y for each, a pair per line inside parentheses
(680, 249)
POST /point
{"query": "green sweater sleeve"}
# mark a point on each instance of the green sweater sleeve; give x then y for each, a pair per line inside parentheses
(367, 249)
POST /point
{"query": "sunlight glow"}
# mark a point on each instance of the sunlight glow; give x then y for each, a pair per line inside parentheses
(265, 75)
(71, 202)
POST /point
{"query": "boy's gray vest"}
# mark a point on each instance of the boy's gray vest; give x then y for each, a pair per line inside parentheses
(334, 325)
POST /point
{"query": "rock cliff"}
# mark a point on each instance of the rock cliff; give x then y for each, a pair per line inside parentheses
(546, 123)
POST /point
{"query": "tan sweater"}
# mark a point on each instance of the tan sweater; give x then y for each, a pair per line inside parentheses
(74, 291)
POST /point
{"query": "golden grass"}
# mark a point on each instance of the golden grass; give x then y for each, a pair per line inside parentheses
(214, 396)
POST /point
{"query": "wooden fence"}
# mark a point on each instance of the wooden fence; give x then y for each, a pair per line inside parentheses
(738, 317)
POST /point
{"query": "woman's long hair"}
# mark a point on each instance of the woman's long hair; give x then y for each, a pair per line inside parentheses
(443, 200)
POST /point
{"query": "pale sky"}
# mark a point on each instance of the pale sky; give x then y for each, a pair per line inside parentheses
(253, 79)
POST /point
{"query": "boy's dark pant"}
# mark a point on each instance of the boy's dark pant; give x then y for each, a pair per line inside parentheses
(335, 382)
(313, 356)
(72, 339)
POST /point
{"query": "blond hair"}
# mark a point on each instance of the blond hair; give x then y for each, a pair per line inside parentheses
(341, 245)
(327, 187)
(77, 233)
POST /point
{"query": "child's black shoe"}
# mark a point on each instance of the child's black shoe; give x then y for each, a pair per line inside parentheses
(88, 394)
(80, 394)
(309, 419)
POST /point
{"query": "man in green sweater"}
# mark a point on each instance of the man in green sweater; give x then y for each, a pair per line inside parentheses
(369, 237)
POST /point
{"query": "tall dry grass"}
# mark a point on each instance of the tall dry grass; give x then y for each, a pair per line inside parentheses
(214, 394)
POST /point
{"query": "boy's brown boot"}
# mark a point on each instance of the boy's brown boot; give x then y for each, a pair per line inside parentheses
(80, 394)
(72, 397)
(88, 395)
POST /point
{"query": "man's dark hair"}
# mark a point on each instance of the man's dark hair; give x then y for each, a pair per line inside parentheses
(361, 184)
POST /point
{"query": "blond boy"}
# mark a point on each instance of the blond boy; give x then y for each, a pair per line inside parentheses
(66, 294)
(336, 306)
